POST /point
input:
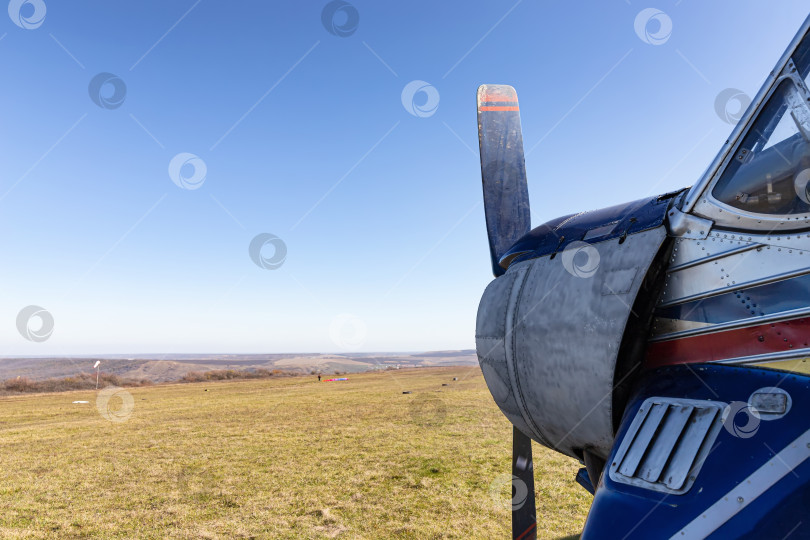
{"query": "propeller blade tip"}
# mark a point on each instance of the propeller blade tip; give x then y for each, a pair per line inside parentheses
(497, 97)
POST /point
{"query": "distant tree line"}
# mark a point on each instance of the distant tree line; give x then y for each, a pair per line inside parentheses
(87, 381)
(82, 381)
(233, 374)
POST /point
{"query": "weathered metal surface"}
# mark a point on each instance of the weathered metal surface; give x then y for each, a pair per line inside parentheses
(548, 336)
(742, 261)
(735, 298)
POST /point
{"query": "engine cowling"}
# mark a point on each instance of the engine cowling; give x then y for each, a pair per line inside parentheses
(551, 331)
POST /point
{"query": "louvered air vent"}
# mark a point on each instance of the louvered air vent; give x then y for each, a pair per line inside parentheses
(667, 444)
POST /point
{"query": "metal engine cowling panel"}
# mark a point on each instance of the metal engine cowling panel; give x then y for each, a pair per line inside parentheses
(548, 335)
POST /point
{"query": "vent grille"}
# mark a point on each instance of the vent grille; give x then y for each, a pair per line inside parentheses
(667, 444)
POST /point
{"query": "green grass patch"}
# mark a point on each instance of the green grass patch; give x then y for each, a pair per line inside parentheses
(274, 458)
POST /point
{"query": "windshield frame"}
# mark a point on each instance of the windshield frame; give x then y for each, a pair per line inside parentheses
(767, 161)
(699, 200)
(730, 216)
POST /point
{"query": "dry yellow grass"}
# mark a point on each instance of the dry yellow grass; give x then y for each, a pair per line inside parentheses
(284, 458)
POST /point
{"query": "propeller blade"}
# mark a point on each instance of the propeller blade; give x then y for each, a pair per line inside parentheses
(524, 515)
(503, 169)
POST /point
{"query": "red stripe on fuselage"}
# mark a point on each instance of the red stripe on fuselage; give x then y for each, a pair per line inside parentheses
(740, 342)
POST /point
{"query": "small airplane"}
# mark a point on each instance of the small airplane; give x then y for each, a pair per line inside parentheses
(664, 343)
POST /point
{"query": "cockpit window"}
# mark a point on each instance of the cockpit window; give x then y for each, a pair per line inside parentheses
(770, 172)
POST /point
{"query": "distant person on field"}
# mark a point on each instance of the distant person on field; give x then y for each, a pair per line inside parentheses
(319, 377)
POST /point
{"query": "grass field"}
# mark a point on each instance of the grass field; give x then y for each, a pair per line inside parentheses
(277, 458)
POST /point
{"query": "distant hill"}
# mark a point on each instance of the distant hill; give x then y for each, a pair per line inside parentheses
(172, 367)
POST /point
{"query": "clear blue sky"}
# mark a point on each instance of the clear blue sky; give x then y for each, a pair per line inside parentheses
(379, 209)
